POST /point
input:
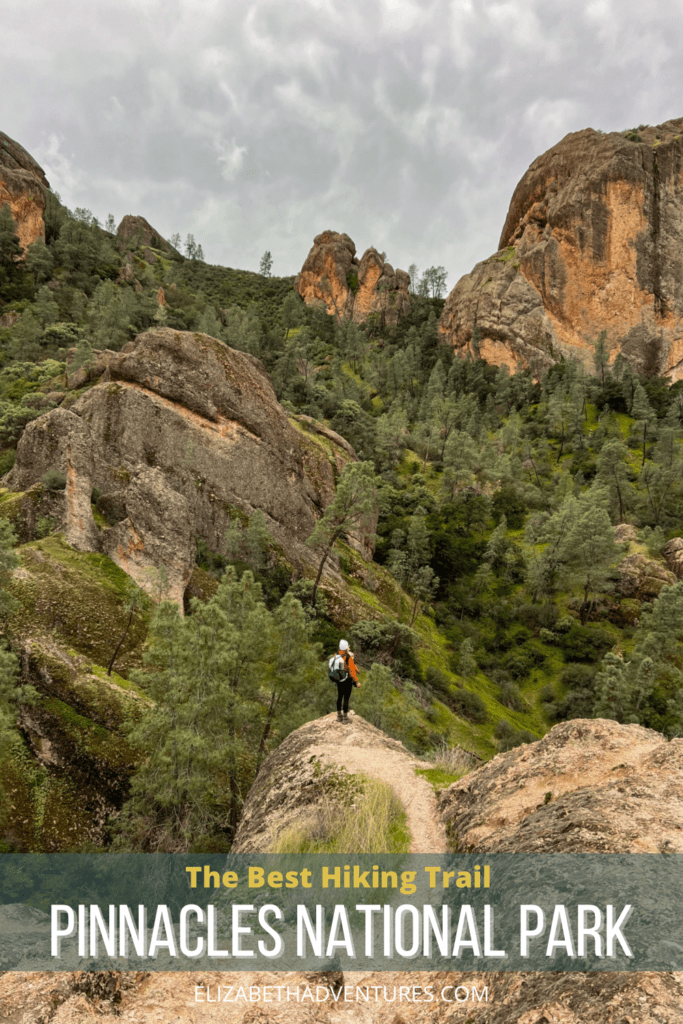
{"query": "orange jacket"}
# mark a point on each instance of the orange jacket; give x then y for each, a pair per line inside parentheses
(350, 665)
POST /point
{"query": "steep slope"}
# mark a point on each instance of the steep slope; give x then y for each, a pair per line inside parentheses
(591, 243)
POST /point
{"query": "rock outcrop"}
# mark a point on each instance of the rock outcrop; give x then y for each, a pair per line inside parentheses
(138, 233)
(591, 243)
(643, 578)
(307, 781)
(22, 187)
(589, 786)
(181, 434)
(673, 552)
(352, 289)
(613, 788)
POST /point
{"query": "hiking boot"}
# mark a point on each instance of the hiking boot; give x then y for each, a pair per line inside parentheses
(339, 717)
(346, 720)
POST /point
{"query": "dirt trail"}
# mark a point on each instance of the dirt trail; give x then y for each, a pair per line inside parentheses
(358, 751)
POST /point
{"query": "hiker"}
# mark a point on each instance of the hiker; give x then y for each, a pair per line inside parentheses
(343, 671)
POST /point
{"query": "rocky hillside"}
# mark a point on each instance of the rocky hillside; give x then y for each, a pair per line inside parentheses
(612, 788)
(180, 434)
(591, 243)
(358, 290)
(22, 186)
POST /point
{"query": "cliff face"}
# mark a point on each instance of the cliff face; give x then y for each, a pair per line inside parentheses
(591, 243)
(350, 288)
(180, 434)
(22, 187)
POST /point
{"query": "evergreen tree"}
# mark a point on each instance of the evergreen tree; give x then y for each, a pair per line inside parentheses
(467, 665)
(354, 506)
(590, 551)
(218, 679)
(266, 264)
(613, 473)
(644, 415)
(39, 261)
(601, 356)
(10, 248)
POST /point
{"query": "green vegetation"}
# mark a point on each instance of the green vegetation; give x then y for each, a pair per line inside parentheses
(493, 607)
(358, 814)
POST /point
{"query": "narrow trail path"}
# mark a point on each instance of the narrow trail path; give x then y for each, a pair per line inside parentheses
(359, 751)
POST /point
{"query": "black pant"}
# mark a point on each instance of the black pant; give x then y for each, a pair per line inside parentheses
(343, 693)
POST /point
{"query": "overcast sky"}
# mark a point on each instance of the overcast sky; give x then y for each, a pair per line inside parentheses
(256, 125)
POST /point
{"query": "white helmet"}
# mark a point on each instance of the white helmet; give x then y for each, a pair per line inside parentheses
(343, 645)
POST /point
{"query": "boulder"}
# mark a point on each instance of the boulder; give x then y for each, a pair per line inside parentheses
(22, 187)
(591, 243)
(613, 789)
(673, 552)
(352, 289)
(643, 578)
(136, 233)
(182, 435)
(624, 533)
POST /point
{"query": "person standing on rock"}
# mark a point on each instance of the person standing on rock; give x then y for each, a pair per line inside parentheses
(347, 682)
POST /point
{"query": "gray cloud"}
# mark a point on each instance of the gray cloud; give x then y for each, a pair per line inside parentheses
(406, 123)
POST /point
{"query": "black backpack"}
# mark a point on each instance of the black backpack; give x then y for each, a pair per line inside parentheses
(337, 669)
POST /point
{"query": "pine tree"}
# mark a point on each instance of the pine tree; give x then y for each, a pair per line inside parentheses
(408, 561)
(467, 665)
(39, 261)
(644, 415)
(613, 473)
(266, 264)
(10, 248)
(353, 506)
(223, 680)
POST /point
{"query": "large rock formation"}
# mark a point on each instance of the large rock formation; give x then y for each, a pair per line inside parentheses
(591, 243)
(332, 276)
(22, 187)
(136, 232)
(181, 434)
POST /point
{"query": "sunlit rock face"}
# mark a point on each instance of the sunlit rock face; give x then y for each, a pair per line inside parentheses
(591, 243)
(22, 187)
(351, 289)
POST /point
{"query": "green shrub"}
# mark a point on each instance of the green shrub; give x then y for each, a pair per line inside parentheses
(7, 460)
(511, 697)
(438, 681)
(520, 661)
(54, 480)
(469, 705)
(585, 643)
(509, 737)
